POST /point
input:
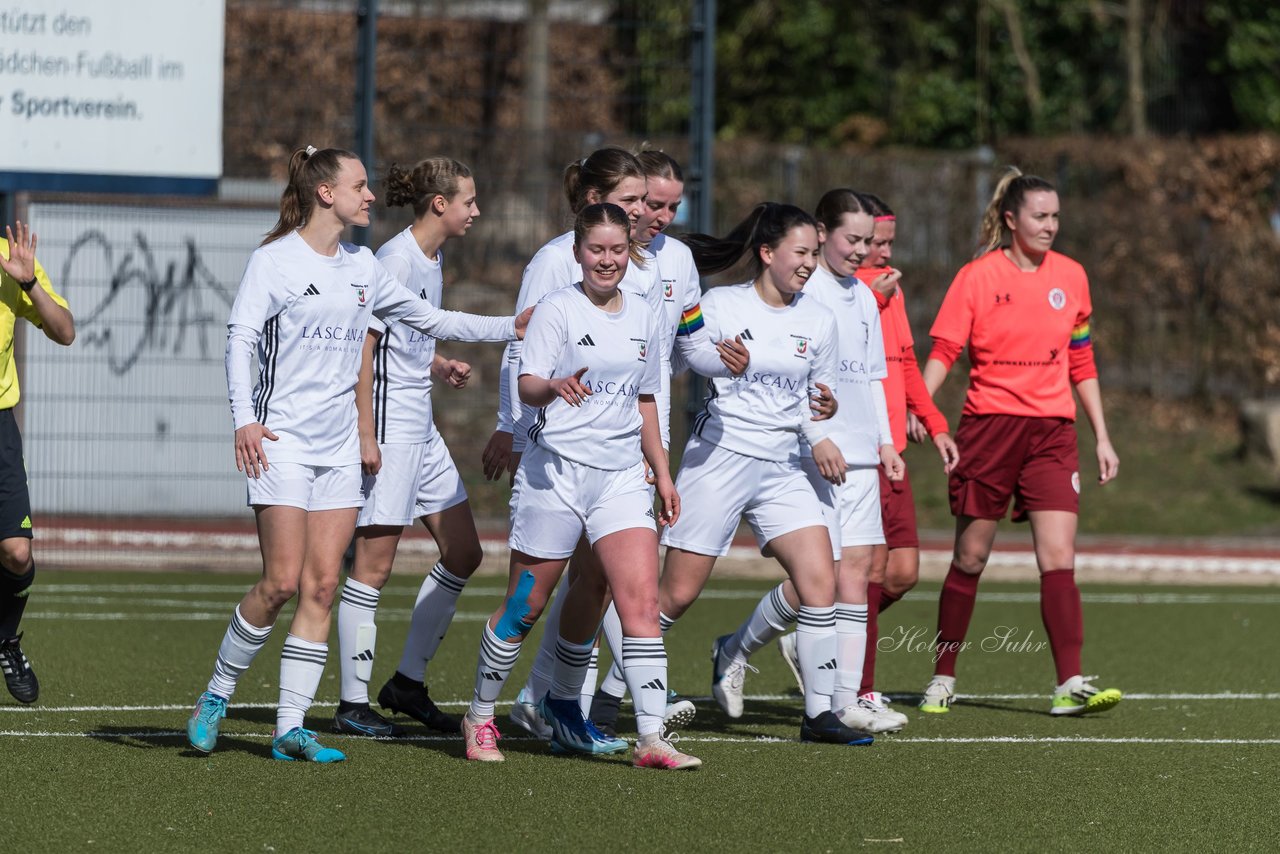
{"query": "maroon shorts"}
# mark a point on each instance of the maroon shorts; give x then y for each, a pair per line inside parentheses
(1034, 461)
(898, 512)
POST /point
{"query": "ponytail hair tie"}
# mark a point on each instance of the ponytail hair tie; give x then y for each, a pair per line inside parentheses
(311, 149)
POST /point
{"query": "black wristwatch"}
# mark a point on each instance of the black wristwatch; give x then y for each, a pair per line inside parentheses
(27, 286)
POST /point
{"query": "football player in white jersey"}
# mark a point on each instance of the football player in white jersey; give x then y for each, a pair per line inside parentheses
(852, 507)
(408, 473)
(608, 175)
(591, 366)
(304, 307)
(743, 458)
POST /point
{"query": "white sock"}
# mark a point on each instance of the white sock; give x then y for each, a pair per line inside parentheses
(851, 649)
(644, 664)
(544, 664)
(497, 657)
(357, 607)
(587, 691)
(614, 684)
(236, 652)
(816, 648)
(301, 666)
(572, 660)
(432, 613)
(768, 622)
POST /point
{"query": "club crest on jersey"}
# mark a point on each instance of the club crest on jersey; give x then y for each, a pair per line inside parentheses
(802, 344)
(668, 285)
(643, 347)
(1057, 298)
(360, 293)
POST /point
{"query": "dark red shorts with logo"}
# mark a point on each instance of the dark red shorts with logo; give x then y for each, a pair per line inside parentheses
(898, 512)
(1034, 461)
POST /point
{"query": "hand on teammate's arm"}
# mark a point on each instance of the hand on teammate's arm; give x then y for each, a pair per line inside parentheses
(250, 457)
(948, 450)
(522, 322)
(894, 467)
(823, 403)
(539, 391)
(734, 354)
(830, 461)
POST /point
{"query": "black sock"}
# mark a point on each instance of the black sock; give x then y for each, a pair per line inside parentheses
(402, 681)
(344, 706)
(13, 599)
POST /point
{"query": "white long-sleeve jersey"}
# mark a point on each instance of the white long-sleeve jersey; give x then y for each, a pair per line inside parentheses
(306, 315)
(402, 358)
(763, 413)
(621, 353)
(685, 337)
(861, 422)
(553, 268)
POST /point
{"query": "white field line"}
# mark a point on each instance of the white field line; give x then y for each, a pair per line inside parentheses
(222, 615)
(65, 593)
(174, 707)
(145, 735)
(248, 542)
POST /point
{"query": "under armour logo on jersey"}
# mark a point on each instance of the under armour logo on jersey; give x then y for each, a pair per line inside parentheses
(830, 665)
(585, 341)
(367, 655)
(311, 291)
(746, 335)
(655, 685)
(1005, 300)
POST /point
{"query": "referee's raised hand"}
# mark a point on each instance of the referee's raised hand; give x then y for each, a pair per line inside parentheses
(21, 261)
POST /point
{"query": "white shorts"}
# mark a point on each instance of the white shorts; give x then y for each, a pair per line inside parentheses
(852, 509)
(308, 487)
(414, 481)
(718, 486)
(555, 500)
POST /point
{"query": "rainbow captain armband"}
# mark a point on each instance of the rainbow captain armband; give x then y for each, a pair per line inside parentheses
(690, 321)
(1080, 336)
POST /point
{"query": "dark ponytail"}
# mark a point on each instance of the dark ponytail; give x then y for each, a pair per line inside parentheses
(602, 171)
(767, 225)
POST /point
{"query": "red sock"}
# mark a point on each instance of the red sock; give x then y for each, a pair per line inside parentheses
(874, 592)
(1063, 620)
(887, 599)
(955, 607)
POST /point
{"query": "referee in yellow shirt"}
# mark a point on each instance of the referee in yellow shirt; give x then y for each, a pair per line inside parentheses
(24, 292)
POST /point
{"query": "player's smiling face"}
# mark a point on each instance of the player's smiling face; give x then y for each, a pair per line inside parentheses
(881, 251)
(349, 194)
(660, 206)
(844, 246)
(458, 213)
(603, 254)
(1035, 225)
(628, 195)
(788, 265)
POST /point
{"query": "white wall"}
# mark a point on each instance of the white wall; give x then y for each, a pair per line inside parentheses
(133, 417)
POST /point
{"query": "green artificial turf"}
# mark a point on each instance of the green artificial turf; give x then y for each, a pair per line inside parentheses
(101, 762)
